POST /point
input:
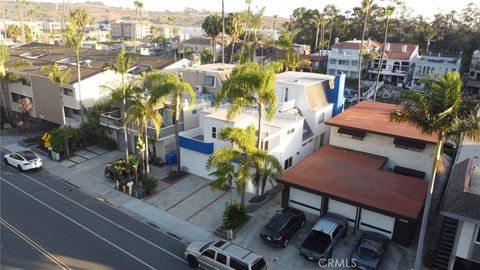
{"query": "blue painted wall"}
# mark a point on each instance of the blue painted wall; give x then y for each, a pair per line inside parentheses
(197, 146)
(335, 95)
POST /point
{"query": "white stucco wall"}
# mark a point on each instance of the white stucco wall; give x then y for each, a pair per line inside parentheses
(383, 146)
(91, 90)
(467, 231)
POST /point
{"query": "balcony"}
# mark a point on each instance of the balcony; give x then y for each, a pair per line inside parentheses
(193, 140)
(112, 120)
(164, 131)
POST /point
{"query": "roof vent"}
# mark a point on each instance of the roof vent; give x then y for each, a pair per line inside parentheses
(404, 48)
(336, 40)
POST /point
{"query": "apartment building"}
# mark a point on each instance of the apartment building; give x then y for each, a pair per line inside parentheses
(129, 30)
(63, 105)
(428, 68)
(343, 57)
(207, 78)
(397, 61)
(472, 86)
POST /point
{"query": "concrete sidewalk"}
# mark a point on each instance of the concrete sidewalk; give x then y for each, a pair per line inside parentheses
(86, 177)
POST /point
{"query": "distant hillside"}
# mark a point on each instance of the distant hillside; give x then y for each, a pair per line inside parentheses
(53, 11)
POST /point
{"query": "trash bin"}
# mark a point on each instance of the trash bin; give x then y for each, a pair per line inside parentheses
(171, 158)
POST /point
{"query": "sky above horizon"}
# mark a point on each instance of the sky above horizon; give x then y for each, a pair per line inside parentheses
(282, 8)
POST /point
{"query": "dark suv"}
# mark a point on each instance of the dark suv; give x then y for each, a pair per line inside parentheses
(282, 227)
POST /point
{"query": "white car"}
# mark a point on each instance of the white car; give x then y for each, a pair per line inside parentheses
(24, 160)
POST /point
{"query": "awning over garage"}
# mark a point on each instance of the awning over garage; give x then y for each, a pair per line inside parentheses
(356, 177)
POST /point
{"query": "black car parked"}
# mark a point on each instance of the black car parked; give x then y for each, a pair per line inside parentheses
(282, 227)
(368, 252)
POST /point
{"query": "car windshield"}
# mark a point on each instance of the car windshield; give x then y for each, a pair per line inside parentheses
(28, 155)
(205, 247)
(259, 264)
(366, 253)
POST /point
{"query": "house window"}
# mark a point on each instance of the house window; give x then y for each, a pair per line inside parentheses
(25, 82)
(194, 112)
(409, 172)
(67, 91)
(265, 145)
(77, 112)
(288, 163)
(354, 63)
(286, 95)
(322, 118)
(351, 133)
(333, 61)
(214, 132)
(209, 81)
(290, 131)
(409, 144)
(17, 97)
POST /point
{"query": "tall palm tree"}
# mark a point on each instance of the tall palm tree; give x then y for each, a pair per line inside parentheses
(138, 13)
(223, 31)
(168, 87)
(323, 23)
(73, 36)
(250, 85)
(224, 177)
(123, 65)
(331, 11)
(366, 6)
(212, 26)
(4, 55)
(268, 168)
(257, 23)
(235, 28)
(144, 110)
(440, 111)
(388, 12)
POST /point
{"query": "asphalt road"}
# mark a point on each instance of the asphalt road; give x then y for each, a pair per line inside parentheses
(49, 224)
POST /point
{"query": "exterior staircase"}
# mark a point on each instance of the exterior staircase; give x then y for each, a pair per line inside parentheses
(445, 244)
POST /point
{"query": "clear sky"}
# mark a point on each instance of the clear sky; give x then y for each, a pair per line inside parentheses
(282, 8)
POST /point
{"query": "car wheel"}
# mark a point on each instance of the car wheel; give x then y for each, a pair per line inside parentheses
(192, 261)
(302, 224)
(5, 160)
(19, 168)
(285, 243)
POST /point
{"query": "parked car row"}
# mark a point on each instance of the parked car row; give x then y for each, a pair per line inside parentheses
(318, 246)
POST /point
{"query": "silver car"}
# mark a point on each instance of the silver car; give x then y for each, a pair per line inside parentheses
(223, 255)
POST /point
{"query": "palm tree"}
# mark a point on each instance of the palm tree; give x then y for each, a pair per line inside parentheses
(235, 28)
(430, 33)
(224, 177)
(331, 11)
(138, 11)
(323, 22)
(440, 111)
(4, 55)
(124, 64)
(250, 85)
(366, 6)
(212, 26)
(240, 151)
(73, 37)
(168, 87)
(20, 8)
(223, 31)
(144, 110)
(388, 12)
(257, 23)
(134, 163)
(268, 168)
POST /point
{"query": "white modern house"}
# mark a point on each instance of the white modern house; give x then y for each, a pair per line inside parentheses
(459, 244)
(427, 68)
(343, 57)
(305, 102)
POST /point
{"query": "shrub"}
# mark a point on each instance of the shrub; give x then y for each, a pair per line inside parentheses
(149, 183)
(171, 173)
(234, 216)
(107, 143)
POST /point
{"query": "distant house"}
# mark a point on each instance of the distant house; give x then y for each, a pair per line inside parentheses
(459, 244)
(472, 86)
(428, 68)
(198, 44)
(207, 78)
(343, 57)
(396, 64)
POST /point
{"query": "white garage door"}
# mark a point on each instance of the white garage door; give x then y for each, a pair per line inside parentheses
(347, 210)
(373, 221)
(305, 201)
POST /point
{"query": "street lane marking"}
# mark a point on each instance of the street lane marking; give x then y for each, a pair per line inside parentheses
(33, 244)
(106, 219)
(80, 225)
